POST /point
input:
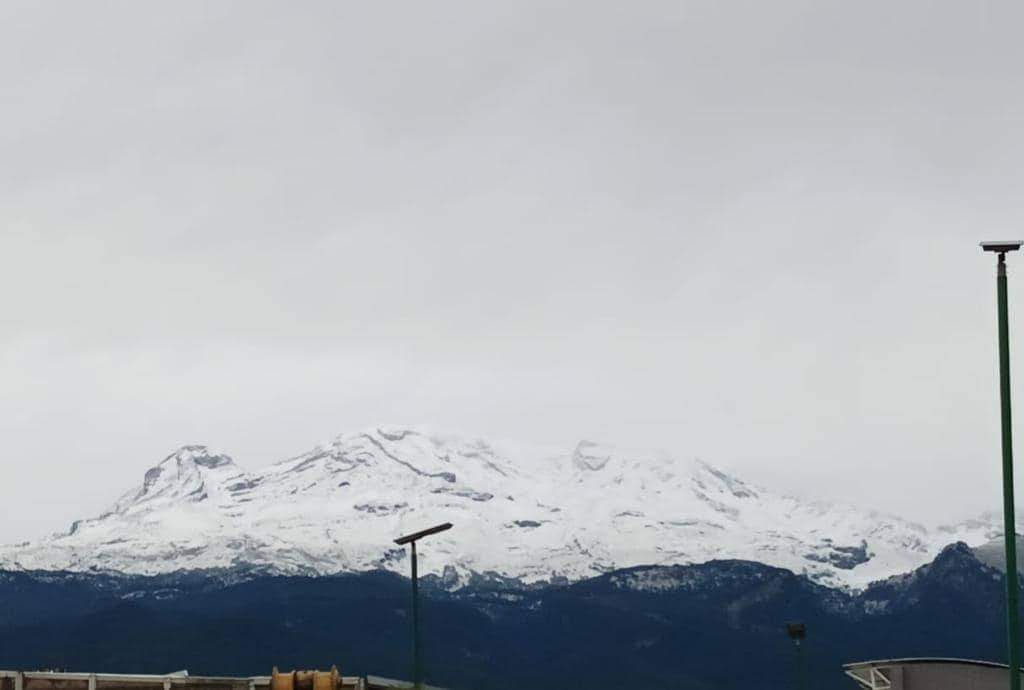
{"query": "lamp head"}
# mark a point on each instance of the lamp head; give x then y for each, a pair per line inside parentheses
(401, 541)
(1001, 247)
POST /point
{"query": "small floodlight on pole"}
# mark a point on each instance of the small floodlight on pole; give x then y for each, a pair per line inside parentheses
(798, 632)
(1009, 519)
(417, 663)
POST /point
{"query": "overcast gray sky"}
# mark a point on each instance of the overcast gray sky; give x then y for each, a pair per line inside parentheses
(744, 231)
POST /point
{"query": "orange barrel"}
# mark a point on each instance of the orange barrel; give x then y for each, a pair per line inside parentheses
(306, 680)
(281, 681)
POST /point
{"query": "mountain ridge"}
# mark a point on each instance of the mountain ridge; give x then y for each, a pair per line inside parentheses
(717, 624)
(523, 513)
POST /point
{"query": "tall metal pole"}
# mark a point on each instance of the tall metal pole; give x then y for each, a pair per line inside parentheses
(417, 656)
(1009, 519)
(798, 633)
(417, 668)
(801, 660)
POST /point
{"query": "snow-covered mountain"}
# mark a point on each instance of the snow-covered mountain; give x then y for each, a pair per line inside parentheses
(526, 513)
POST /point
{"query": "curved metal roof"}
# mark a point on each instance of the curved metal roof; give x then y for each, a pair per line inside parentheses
(925, 660)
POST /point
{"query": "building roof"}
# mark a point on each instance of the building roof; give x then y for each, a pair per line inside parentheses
(923, 660)
(933, 673)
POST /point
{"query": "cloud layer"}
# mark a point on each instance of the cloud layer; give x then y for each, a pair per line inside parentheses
(736, 230)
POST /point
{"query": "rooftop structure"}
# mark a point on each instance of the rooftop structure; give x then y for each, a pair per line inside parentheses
(928, 674)
(180, 680)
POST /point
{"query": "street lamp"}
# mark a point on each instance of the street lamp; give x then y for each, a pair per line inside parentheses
(1009, 521)
(417, 664)
(798, 632)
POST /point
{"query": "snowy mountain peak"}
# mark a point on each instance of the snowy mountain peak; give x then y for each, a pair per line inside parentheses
(190, 474)
(189, 468)
(519, 511)
(590, 456)
(196, 456)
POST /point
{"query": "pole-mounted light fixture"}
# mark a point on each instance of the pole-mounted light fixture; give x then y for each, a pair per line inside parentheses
(1009, 518)
(410, 538)
(1002, 247)
(417, 663)
(798, 632)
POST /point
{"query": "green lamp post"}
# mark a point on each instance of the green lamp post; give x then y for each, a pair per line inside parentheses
(417, 661)
(1009, 520)
(798, 633)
